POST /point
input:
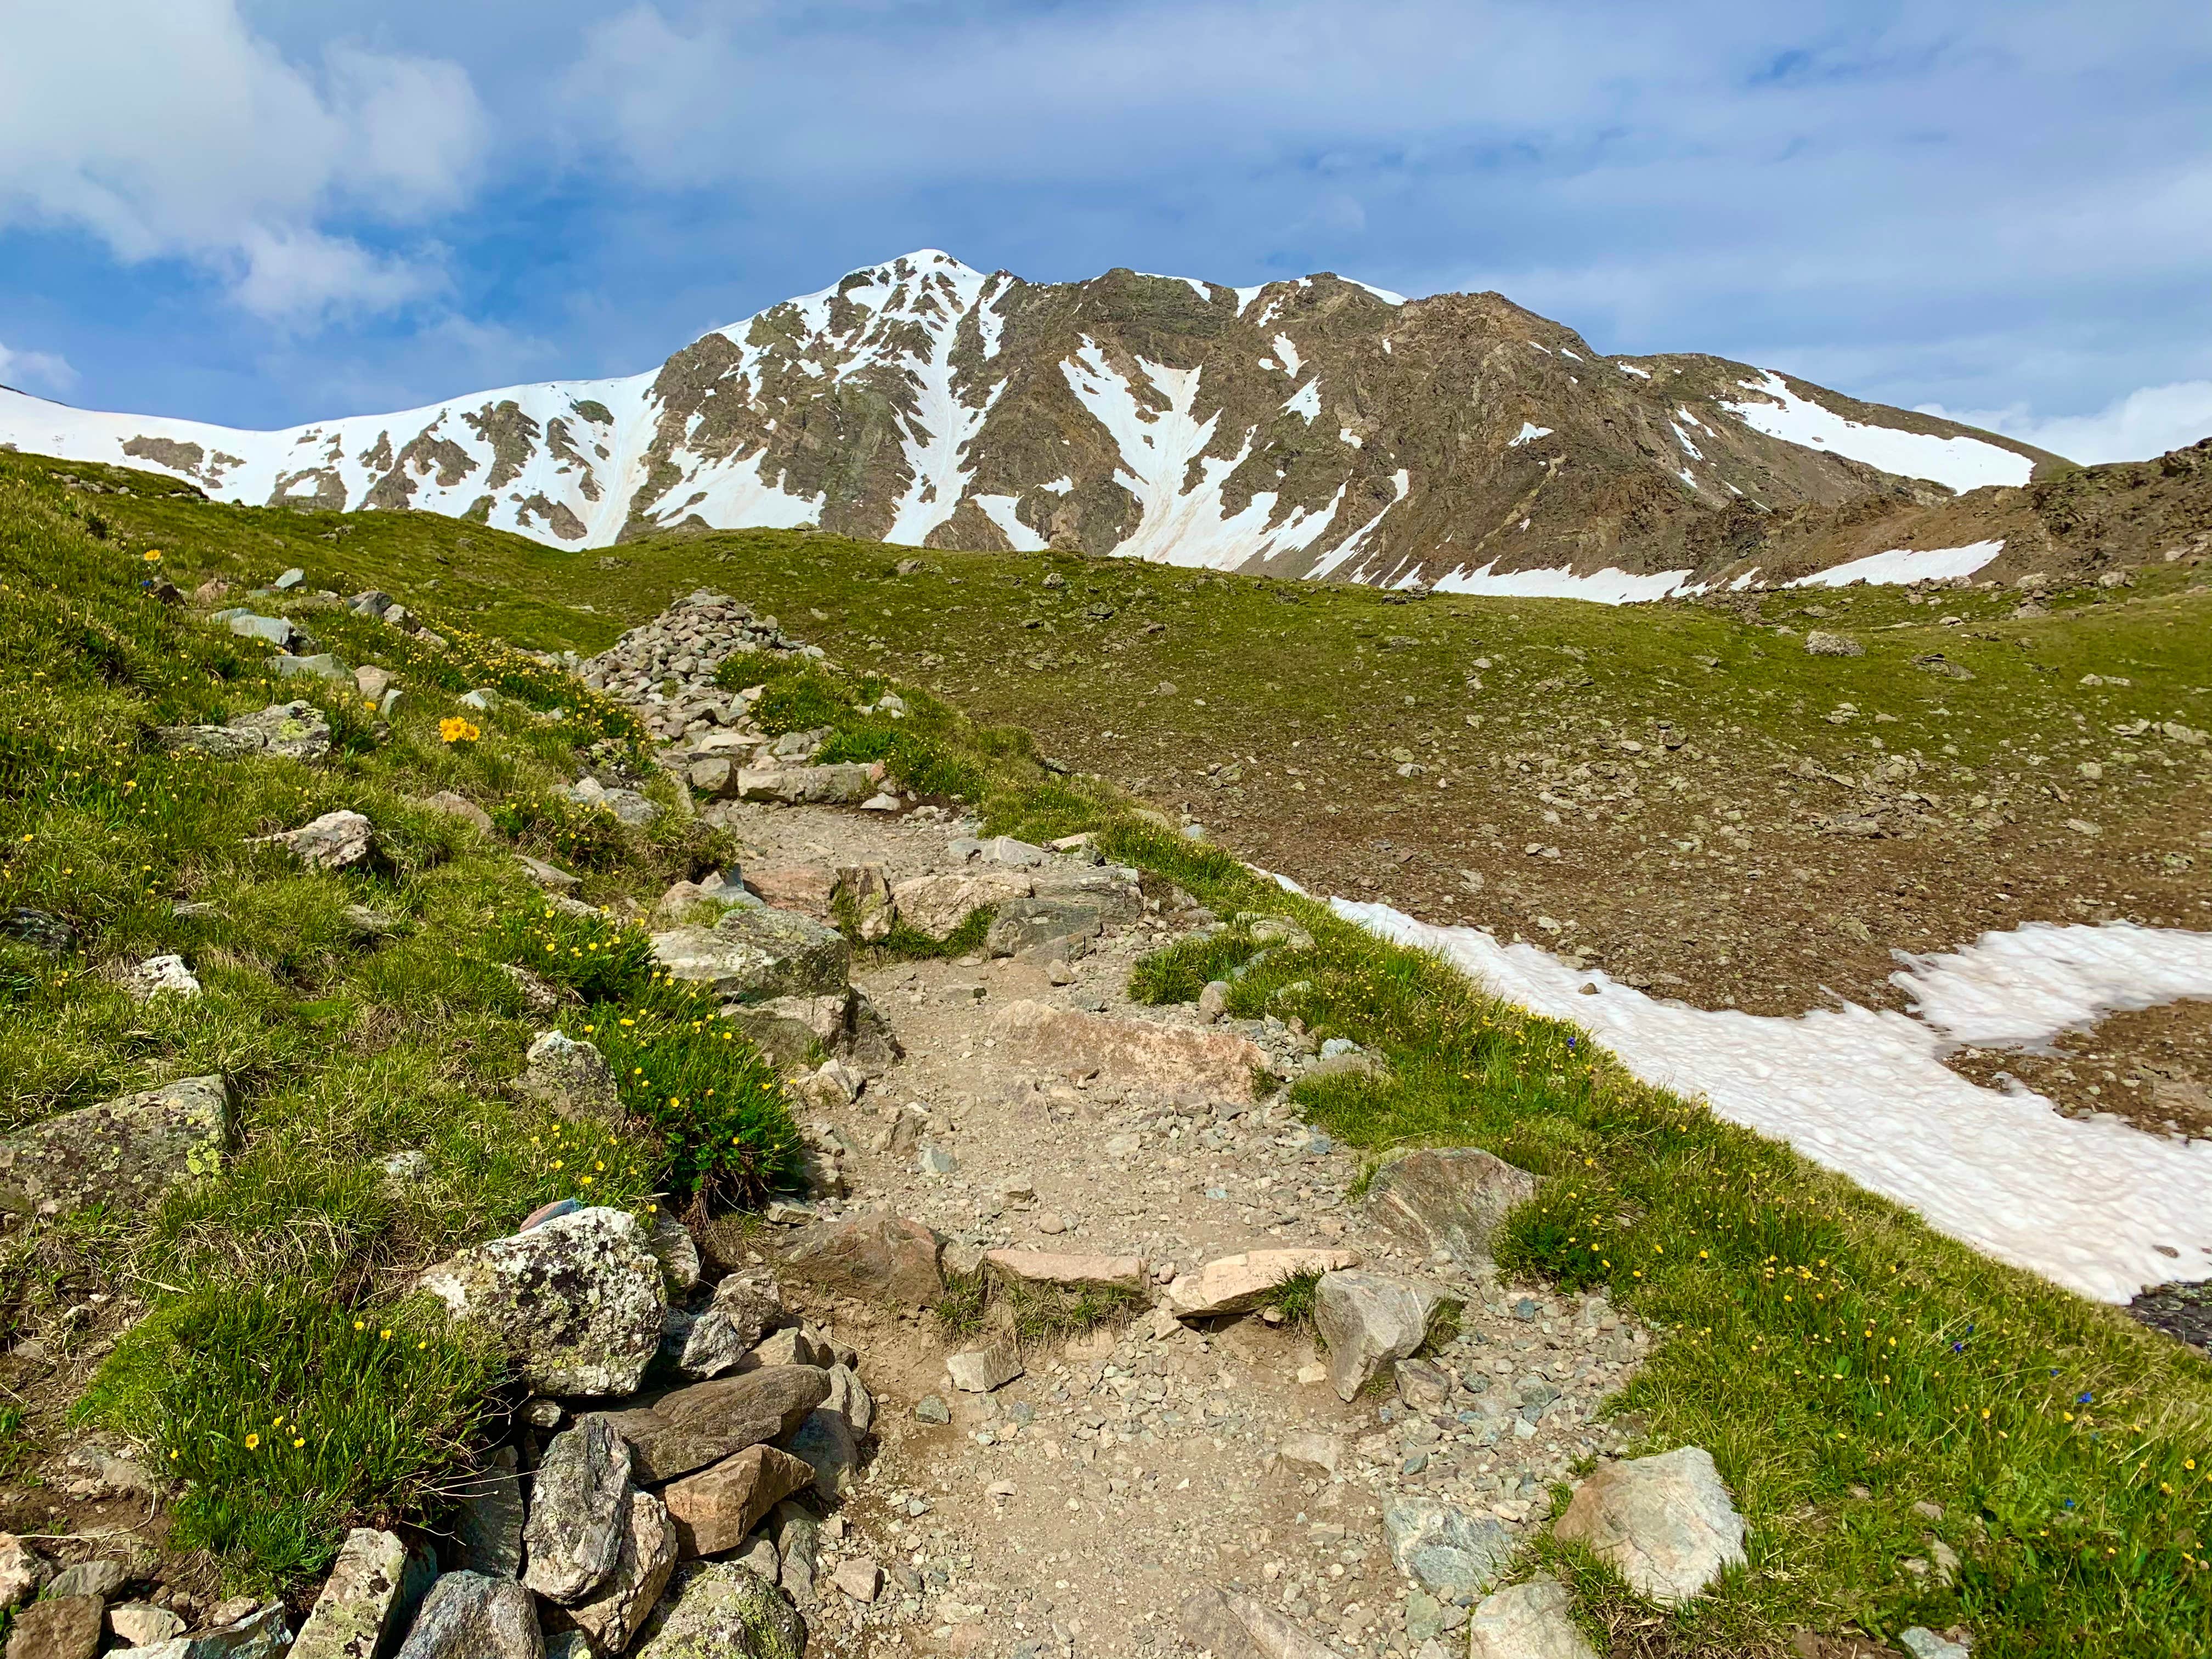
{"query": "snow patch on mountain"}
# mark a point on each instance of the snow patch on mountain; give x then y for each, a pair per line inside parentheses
(1607, 586)
(1960, 463)
(1903, 565)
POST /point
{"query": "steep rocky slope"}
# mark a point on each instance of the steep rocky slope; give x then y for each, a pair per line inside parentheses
(1311, 427)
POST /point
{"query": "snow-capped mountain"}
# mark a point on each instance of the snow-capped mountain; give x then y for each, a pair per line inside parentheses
(1316, 427)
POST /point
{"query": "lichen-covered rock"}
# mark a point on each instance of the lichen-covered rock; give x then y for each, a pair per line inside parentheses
(122, 1152)
(490, 1518)
(1041, 927)
(756, 953)
(579, 1506)
(161, 976)
(1447, 1198)
(745, 1308)
(296, 731)
(576, 1300)
(721, 1610)
(363, 1605)
(571, 1079)
(336, 840)
(840, 784)
(469, 1616)
(1666, 1524)
(1527, 1621)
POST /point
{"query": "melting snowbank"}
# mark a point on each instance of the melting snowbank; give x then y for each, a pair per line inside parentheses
(2088, 1206)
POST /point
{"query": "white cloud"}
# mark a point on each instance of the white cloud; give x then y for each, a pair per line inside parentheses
(41, 369)
(2146, 423)
(170, 129)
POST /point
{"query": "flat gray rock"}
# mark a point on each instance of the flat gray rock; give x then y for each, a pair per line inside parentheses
(363, 1605)
(1446, 1550)
(757, 953)
(685, 1429)
(1447, 1198)
(571, 1079)
(1666, 1524)
(123, 1152)
(468, 1616)
(490, 1518)
(1533, 1621)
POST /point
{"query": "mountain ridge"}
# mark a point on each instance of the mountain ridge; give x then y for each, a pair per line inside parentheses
(1312, 427)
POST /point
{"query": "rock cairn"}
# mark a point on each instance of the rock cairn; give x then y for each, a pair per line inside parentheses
(666, 668)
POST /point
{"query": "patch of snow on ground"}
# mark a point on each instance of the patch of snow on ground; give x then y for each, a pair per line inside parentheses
(1901, 565)
(1961, 463)
(1305, 401)
(1000, 509)
(1528, 433)
(1688, 447)
(1745, 579)
(1060, 486)
(1246, 296)
(1864, 1092)
(1630, 369)
(1336, 557)
(1344, 434)
(1607, 586)
(1287, 350)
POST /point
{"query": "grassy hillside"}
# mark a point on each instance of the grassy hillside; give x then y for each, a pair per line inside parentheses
(1843, 1364)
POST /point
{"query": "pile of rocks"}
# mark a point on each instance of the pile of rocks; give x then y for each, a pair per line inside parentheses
(667, 667)
(72, 1613)
(658, 1517)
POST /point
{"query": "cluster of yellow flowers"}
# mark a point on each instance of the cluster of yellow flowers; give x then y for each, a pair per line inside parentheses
(454, 729)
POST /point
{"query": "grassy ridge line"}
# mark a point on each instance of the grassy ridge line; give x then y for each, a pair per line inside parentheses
(2080, 1534)
(281, 1374)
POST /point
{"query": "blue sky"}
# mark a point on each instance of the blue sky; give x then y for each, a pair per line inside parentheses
(260, 212)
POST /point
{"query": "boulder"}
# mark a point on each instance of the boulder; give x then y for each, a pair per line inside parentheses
(1666, 1524)
(336, 840)
(100, 1578)
(849, 1398)
(1075, 1272)
(719, 1610)
(685, 1429)
(715, 1509)
(570, 1078)
(858, 1577)
(1238, 1284)
(1447, 1198)
(260, 1634)
(1228, 1625)
(363, 1607)
(1112, 892)
(798, 1537)
(877, 1257)
(321, 666)
(269, 630)
(124, 1153)
(1445, 1550)
(1820, 643)
(1038, 929)
(372, 682)
(829, 1446)
(1366, 1320)
(753, 954)
(868, 891)
(469, 1616)
(612, 1615)
(60, 1627)
(162, 975)
(578, 1506)
(547, 876)
(978, 1371)
(489, 1523)
(844, 784)
(844, 1023)
(294, 730)
(804, 887)
(142, 1624)
(937, 905)
(1160, 1059)
(22, 1570)
(746, 1306)
(1533, 1621)
(576, 1300)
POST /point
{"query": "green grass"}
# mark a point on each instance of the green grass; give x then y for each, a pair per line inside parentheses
(343, 1045)
(287, 1418)
(1817, 1339)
